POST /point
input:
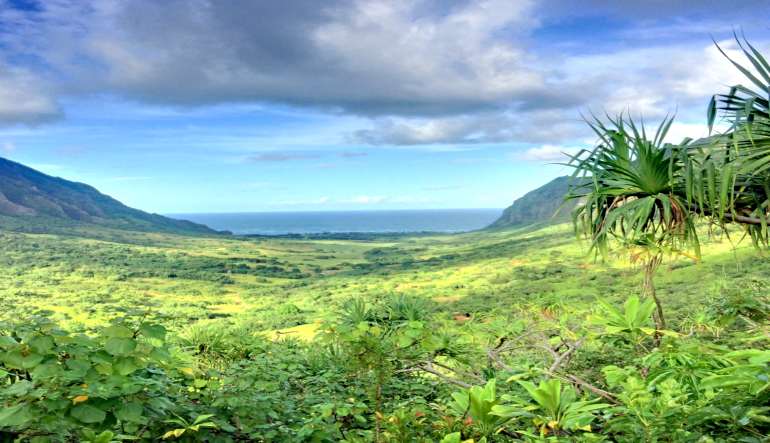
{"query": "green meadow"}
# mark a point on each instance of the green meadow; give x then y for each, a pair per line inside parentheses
(275, 284)
(384, 339)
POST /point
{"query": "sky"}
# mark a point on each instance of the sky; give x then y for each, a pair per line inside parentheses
(182, 106)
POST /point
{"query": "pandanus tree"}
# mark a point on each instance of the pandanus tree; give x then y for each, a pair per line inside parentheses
(648, 196)
(628, 187)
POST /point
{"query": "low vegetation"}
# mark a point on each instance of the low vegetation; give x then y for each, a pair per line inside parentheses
(496, 335)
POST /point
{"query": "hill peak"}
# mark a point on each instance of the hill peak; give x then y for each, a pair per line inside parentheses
(540, 205)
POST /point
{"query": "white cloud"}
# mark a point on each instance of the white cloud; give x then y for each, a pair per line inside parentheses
(422, 72)
(655, 81)
(548, 153)
(649, 83)
(497, 127)
(24, 97)
(679, 131)
(366, 200)
(368, 57)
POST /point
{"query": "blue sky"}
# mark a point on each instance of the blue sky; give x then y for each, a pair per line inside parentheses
(203, 106)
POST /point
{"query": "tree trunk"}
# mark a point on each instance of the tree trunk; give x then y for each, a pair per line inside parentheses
(649, 291)
(378, 407)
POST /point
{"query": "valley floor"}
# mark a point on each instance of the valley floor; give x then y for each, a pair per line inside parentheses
(291, 285)
(110, 335)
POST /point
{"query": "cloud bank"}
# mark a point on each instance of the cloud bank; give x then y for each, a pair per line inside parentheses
(420, 72)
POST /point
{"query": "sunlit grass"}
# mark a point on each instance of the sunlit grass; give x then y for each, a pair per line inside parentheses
(86, 282)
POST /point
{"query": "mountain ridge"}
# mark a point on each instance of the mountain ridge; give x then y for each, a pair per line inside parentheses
(28, 195)
(545, 204)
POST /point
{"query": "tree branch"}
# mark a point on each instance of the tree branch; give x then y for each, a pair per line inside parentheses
(600, 392)
(427, 367)
(565, 356)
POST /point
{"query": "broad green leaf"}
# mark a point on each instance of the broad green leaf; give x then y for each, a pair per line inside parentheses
(125, 366)
(88, 414)
(117, 331)
(18, 389)
(120, 346)
(18, 415)
(454, 437)
(157, 332)
(18, 360)
(42, 344)
(130, 412)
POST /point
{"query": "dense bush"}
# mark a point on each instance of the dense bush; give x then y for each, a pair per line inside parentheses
(387, 370)
(56, 384)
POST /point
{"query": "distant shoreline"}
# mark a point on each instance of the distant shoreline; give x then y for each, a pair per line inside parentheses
(330, 211)
(347, 224)
(352, 235)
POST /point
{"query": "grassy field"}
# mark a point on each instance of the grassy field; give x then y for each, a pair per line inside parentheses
(291, 285)
(274, 339)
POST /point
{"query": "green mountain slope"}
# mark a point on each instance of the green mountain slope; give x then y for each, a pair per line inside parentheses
(30, 200)
(538, 206)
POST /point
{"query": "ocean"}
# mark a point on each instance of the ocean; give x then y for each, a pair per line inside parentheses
(394, 221)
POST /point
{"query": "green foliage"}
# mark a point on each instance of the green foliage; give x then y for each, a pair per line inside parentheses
(744, 300)
(550, 408)
(632, 324)
(628, 190)
(187, 427)
(750, 369)
(456, 437)
(360, 379)
(558, 408)
(646, 192)
(152, 336)
(479, 405)
(340, 351)
(742, 104)
(55, 383)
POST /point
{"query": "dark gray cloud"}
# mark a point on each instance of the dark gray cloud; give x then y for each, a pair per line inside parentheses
(25, 97)
(420, 71)
(636, 10)
(366, 57)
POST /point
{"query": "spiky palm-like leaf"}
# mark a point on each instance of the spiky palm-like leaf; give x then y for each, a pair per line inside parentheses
(643, 192)
(735, 167)
(629, 189)
(743, 104)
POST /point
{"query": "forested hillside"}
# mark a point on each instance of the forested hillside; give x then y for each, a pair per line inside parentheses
(33, 201)
(545, 204)
(328, 340)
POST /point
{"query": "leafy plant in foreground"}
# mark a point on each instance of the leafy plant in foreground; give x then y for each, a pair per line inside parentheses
(476, 407)
(553, 408)
(632, 324)
(187, 427)
(55, 383)
(627, 183)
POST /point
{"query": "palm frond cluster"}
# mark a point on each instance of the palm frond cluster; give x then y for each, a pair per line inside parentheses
(640, 191)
